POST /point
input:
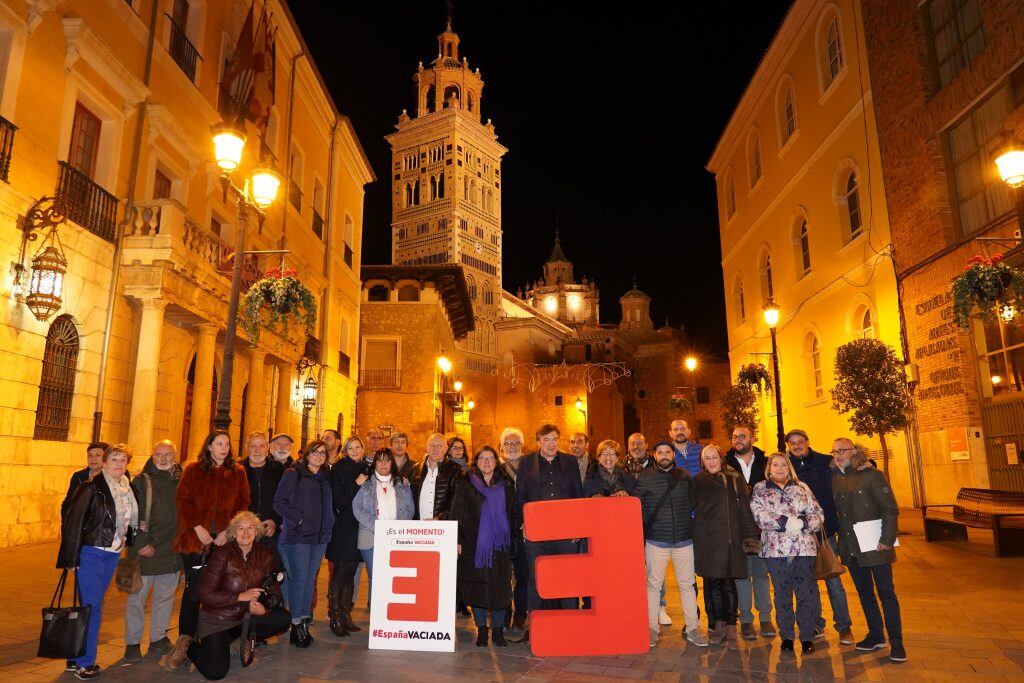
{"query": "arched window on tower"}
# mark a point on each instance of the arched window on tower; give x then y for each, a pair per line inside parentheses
(428, 100)
(378, 293)
(470, 103)
(488, 294)
(440, 186)
(741, 305)
(407, 196)
(812, 356)
(452, 91)
(433, 188)
(853, 206)
(57, 383)
(465, 187)
(409, 293)
(473, 196)
(416, 192)
(767, 280)
(805, 249)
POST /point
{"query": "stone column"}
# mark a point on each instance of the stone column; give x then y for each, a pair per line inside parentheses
(147, 368)
(254, 396)
(283, 415)
(202, 388)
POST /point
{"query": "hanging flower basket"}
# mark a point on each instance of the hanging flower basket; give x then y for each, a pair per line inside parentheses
(680, 403)
(756, 376)
(987, 285)
(284, 297)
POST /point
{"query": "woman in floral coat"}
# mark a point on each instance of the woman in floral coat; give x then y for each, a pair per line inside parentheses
(789, 517)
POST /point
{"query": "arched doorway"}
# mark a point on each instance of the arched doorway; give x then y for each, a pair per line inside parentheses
(186, 423)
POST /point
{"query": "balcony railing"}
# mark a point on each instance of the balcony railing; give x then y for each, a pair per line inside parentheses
(86, 203)
(318, 224)
(344, 364)
(348, 255)
(6, 146)
(183, 51)
(380, 379)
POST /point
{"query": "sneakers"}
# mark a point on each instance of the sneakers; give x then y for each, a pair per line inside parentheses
(85, 673)
(160, 647)
(748, 632)
(654, 637)
(846, 637)
(897, 653)
(716, 634)
(133, 653)
(767, 630)
(178, 655)
(871, 643)
(819, 634)
(807, 647)
(70, 666)
(696, 637)
(663, 618)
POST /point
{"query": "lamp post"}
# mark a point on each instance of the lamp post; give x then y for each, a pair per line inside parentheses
(445, 366)
(1009, 158)
(257, 194)
(691, 364)
(309, 392)
(771, 318)
(586, 423)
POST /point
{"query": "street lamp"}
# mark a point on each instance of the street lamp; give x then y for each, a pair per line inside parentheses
(690, 363)
(457, 386)
(579, 407)
(309, 392)
(771, 319)
(470, 404)
(445, 366)
(1009, 158)
(258, 193)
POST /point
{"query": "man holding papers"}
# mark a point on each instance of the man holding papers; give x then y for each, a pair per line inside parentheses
(864, 498)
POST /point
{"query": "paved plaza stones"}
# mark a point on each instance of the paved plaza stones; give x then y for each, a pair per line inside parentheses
(961, 613)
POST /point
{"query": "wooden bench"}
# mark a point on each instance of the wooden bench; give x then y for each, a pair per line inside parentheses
(1000, 511)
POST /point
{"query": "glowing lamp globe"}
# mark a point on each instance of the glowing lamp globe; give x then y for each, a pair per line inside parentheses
(690, 363)
(46, 288)
(470, 404)
(228, 142)
(444, 365)
(1010, 162)
(457, 386)
(771, 313)
(265, 183)
(309, 393)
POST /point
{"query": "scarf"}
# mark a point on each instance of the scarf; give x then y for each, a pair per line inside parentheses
(387, 499)
(126, 507)
(611, 481)
(494, 532)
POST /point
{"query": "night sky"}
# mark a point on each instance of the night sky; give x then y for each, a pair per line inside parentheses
(609, 119)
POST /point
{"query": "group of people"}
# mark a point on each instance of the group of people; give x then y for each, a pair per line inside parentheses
(250, 536)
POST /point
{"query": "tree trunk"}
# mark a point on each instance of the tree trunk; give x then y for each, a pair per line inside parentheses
(885, 456)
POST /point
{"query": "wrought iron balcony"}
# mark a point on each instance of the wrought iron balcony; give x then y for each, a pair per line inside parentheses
(6, 146)
(86, 203)
(183, 51)
(380, 379)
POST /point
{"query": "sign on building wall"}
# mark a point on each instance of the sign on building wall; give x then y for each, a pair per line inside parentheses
(413, 595)
(956, 441)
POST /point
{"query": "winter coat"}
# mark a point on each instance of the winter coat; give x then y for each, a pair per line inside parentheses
(489, 588)
(90, 520)
(773, 506)
(343, 546)
(159, 529)
(77, 479)
(530, 488)
(303, 500)
(448, 475)
(674, 521)
(757, 468)
(364, 506)
(263, 483)
(227, 574)
(815, 470)
(408, 469)
(209, 498)
(862, 493)
(721, 521)
(594, 485)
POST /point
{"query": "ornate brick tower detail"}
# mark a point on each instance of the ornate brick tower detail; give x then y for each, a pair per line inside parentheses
(558, 295)
(446, 185)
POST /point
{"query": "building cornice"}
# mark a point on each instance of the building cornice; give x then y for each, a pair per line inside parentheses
(81, 43)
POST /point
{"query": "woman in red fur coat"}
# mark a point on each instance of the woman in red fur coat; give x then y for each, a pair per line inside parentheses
(211, 491)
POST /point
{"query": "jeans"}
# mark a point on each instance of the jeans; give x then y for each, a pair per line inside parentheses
(163, 587)
(212, 654)
(301, 561)
(188, 615)
(794, 577)
(535, 549)
(95, 570)
(497, 617)
(682, 565)
(755, 589)
(836, 597)
(868, 581)
(720, 600)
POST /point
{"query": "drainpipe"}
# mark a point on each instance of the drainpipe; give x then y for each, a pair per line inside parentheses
(129, 210)
(328, 247)
(288, 156)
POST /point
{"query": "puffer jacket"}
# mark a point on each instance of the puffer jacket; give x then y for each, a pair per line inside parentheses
(674, 521)
(773, 506)
(89, 520)
(303, 500)
(448, 475)
(862, 493)
(159, 529)
(229, 573)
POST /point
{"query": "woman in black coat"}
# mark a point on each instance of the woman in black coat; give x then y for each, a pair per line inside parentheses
(347, 475)
(484, 507)
(722, 522)
(606, 475)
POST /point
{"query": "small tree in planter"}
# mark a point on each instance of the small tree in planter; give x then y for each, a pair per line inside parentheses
(870, 383)
(285, 298)
(755, 376)
(986, 286)
(739, 405)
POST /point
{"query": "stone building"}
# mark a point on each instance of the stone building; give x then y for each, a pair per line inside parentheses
(803, 222)
(948, 85)
(107, 105)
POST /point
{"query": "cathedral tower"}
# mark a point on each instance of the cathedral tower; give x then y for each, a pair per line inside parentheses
(446, 187)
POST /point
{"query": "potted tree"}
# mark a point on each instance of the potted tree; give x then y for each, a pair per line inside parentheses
(986, 286)
(285, 299)
(755, 376)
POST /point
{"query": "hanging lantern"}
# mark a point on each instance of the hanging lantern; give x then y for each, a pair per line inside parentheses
(1007, 313)
(46, 288)
(309, 393)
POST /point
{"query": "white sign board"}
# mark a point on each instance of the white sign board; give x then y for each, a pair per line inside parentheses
(1011, 453)
(413, 596)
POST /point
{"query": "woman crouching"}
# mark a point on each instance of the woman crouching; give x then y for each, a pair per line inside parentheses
(231, 587)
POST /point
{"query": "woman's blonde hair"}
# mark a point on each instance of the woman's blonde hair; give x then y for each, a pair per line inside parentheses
(241, 517)
(612, 444)
(716, 449)
(118, 448)
(789, 464)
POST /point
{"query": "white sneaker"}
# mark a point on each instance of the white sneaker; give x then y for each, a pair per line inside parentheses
(663, 618)
(654, 638)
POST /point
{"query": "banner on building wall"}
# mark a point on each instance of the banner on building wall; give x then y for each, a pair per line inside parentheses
(413, 594)
(956, 440)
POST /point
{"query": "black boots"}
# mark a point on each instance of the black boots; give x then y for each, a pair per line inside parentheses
(498, 637)
(347, 591)
(335, 603)
(339, 599)
(300, 635)
(481, 636)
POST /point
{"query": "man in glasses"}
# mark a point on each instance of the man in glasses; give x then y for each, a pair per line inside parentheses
(511, 451)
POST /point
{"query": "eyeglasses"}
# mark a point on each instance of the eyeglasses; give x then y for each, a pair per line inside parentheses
(840, 451)
(509, 444)
(318, 452)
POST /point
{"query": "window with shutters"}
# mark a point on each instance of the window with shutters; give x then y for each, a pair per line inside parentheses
(379, 369)
(85, 141)
(57, 384)
(161, 186)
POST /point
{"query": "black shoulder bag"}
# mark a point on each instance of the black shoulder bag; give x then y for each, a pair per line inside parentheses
(64, 628)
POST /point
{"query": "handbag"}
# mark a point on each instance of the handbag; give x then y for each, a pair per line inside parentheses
(826, 564)
(62, 635)
(128, 575)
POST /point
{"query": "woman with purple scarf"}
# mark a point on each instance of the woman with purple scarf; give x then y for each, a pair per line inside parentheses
(483, 507)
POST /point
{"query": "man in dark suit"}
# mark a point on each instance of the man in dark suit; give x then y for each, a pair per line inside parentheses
(755, 588)
(547, 474)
